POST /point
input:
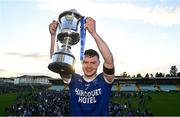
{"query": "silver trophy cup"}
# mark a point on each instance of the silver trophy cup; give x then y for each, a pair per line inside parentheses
(63, 60)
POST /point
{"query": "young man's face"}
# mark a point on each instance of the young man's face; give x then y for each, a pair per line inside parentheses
(90, 65)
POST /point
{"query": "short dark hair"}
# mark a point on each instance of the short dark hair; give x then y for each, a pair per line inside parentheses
(91, 53)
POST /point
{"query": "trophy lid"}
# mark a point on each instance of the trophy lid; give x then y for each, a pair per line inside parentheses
(70, 12)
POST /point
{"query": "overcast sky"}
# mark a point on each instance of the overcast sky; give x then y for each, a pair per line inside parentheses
(143, 35)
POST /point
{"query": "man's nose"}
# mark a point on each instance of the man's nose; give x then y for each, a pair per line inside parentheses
(89, 65)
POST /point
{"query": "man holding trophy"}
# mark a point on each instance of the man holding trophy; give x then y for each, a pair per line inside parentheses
(90, 92)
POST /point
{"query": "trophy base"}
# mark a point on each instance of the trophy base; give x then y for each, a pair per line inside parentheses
(61, 68)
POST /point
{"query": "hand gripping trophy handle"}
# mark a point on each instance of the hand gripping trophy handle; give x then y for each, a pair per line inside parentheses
(63, 60)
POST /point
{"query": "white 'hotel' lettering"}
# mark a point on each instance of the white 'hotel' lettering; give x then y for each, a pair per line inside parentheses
(87, 97)
(88, 100)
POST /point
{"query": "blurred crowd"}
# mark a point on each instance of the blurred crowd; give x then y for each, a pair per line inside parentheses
(43, 103)
(126, 109)
(40, 101)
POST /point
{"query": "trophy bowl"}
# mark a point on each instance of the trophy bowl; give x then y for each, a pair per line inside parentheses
(69, 21)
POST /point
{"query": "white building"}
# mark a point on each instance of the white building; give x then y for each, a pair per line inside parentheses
(26, 79)
(32, 80)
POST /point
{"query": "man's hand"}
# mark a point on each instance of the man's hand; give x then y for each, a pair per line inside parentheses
(53, 27)
(90, 25)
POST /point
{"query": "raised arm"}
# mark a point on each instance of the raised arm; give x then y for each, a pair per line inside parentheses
(108, 65)
(52, 30)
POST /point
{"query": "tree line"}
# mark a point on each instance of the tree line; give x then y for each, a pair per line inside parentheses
(173, 72)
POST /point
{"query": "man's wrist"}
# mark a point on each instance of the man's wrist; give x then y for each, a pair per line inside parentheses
(94, 33)
(53, 35)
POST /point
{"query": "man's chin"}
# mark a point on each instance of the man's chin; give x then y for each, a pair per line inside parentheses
(90, 74)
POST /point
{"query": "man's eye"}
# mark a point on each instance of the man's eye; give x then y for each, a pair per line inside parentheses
(93, 62)
(84, 62)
